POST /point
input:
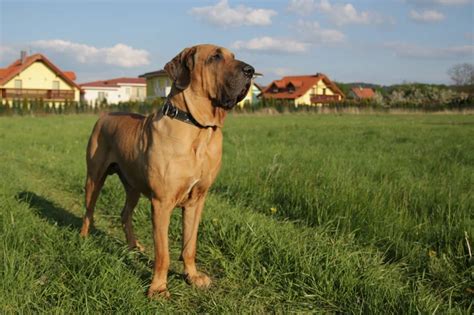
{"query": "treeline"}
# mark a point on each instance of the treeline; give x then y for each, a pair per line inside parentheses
(430, 97)
(40, 107)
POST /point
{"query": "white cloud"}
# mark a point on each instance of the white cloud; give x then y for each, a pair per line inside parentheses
(402, 49)
(222, 14)
(441, 2)
(118, 55)
(339, 14)
(452, 2)
(315, 34)
(426, 16)
(303, 7)
(271, 45)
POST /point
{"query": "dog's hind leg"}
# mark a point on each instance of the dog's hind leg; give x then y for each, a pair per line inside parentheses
(127, 224)
(93, 186)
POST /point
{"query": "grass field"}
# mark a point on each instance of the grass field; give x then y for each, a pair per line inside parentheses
(316, 213)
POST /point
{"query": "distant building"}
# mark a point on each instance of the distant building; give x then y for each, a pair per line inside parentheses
(158, 84)
(315, 89)
(361, 93)
(35, 77)
(114, 91)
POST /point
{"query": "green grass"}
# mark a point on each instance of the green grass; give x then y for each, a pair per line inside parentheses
(317, 213)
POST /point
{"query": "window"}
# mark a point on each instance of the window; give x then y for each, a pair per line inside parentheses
(127, 91)
(324, 91)
(18, 84)
(291, 88)
(101, 96)
(55, 85)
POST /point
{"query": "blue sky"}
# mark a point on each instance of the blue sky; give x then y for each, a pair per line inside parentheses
(384, 41)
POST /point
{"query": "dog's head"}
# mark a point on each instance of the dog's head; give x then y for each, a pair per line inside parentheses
(208, 72)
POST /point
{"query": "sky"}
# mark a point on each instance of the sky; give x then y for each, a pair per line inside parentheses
(377, 41)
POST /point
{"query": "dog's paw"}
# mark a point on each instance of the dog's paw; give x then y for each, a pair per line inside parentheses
(139, 247)
(158, 294)
(199, 280)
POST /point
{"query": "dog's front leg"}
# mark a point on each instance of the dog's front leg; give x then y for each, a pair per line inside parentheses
(191, 218)
(161, 213)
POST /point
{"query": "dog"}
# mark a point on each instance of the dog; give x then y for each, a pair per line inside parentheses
(172, 156)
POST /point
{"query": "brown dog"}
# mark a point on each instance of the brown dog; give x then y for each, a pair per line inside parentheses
(173, 156)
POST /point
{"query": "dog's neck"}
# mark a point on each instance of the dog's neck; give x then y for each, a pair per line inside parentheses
(200, 107)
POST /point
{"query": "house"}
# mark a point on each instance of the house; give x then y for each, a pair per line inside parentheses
(361, 93)
(315, 89)
(158, 84)
(114, 91)
(36, 77)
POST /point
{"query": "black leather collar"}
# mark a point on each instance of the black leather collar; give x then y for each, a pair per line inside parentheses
(173, 112)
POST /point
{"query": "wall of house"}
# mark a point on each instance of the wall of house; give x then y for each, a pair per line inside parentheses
(317, 89)
(114, 95)
(39, 76)
(132, 92)
(91, 94)
(158, 86)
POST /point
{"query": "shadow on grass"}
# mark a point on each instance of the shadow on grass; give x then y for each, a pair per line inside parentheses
(51, 212)
(58, 216)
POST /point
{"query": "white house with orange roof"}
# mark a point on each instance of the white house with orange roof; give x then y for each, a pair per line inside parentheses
(315, 89)
(35, 77)
(114, 91)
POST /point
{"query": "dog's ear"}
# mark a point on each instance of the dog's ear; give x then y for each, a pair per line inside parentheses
(180, 67)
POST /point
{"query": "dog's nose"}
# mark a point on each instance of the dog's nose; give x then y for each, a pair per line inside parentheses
(248, 70)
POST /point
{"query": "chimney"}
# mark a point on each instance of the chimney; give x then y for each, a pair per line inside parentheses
(23, 56)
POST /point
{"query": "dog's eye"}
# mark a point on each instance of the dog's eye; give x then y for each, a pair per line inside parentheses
(216, 57)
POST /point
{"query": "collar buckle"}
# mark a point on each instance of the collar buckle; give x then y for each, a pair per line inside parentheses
(170, 111)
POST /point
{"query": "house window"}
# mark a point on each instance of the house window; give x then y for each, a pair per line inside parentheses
(18, 84)
(101, 96)
(127, 91)
(324, 91)
(55, 85)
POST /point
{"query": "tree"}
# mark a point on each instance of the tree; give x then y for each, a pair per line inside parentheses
(462, 74)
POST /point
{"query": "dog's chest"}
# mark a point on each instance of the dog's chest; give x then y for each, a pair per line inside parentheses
(202, 176)
(186, 171)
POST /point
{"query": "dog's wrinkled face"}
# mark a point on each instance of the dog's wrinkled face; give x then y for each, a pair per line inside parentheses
(212, 72)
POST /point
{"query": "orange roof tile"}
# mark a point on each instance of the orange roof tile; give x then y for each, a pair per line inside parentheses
(114, 82)
(361, 92)
(70, 74)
